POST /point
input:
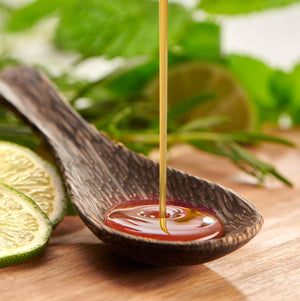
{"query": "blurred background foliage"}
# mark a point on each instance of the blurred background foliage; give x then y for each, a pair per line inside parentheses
(218, 102)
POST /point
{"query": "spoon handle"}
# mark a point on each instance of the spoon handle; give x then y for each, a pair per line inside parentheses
(37, 100)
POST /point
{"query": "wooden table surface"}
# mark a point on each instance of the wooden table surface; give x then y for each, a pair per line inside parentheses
(77, 266)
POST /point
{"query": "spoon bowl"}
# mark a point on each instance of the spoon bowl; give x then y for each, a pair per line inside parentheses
(99, 174)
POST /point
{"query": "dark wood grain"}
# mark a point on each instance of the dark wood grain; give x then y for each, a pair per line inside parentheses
(99, 173)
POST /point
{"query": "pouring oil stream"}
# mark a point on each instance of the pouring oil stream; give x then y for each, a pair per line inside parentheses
(163, 109)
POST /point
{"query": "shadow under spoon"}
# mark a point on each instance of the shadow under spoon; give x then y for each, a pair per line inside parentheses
(99, 173)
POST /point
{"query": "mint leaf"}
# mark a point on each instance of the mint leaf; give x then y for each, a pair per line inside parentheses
(7, 61)
(255, 77)
(274, 92)
(296, 87)
(281, 86)
(294, 105)
(115, 28)
(30, 14)
(189, 104)
(100, 27)
(234, 7)
(201, 41)
(131, 82)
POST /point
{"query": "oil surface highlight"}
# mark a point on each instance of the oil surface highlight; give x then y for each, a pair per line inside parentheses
(142, 218)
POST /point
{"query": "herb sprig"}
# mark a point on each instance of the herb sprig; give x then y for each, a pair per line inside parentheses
(116, 104)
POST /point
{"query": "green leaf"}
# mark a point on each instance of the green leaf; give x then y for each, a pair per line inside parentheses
(115, 28)
(6, 62)
(248, 137)
(274, 92)
(18, 134)
(255, 77)
(190, 104)
(204, 123)
(294, 106)
(100, 27)
(30, 14)
(234, 7)
(281, 86)
(242, 158)
(131, 82)
(296, 84)
(201, 41)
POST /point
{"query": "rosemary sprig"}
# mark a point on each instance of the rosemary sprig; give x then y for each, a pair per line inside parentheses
(223, 144)
(132, 120)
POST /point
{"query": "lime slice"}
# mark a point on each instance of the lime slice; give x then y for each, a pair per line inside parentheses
(27, 172)
(24, 228)
(195, 79)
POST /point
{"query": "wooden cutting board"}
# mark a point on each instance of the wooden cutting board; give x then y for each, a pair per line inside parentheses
(77, 266)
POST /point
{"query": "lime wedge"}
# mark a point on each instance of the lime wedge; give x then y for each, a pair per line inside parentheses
(24, 228)
(28, 173)
(193, 80)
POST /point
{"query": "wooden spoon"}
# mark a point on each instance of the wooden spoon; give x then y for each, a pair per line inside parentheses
(99, 173)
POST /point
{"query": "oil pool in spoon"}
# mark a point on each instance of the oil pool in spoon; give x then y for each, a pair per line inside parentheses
(159, 220)
(184, 223)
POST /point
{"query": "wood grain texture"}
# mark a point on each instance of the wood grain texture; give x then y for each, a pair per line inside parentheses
(99, 174)
(77, 266)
